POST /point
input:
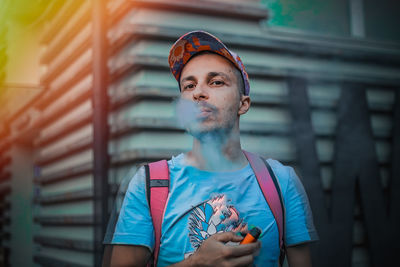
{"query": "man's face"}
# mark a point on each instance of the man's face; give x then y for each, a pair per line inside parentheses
(209, 81)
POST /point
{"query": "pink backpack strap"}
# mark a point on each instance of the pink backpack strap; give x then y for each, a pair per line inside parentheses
(272, 193)
(157, 188)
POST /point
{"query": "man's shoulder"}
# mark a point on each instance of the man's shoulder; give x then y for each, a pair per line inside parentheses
(283, 173)
(278, 168)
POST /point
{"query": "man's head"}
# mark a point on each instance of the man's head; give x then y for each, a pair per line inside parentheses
(212, 81)
(192, 43)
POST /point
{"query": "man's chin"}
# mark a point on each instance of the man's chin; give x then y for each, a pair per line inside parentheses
(205, 131)
(199, 131)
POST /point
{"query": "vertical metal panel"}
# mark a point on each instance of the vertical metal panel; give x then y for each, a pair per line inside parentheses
(309, 163)
(395, 173)
(357, 18)
(379, 103)
(21, 212)
(5, 202)
(356, 162)
(100, 127)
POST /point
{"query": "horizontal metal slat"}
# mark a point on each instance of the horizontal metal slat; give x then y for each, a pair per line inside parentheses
(68, 173)
(138, 156)
(64, 220)
(64, 14)
(142, 155)
(167, 93)
(320, 76)
(83, 144)
(141, 92)
(51, 262)
(48, 98)
(67, 128)
(348, 49)
(54, 49)
(143, 124)
(214, 8)
(65, 243)
(70, 196)
(132, 63)
(59, 110)
(52, 73)
(211, 8)
(117, 10)
(169, 124)
(160, 124)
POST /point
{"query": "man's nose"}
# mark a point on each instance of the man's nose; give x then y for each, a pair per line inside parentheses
(200, 93)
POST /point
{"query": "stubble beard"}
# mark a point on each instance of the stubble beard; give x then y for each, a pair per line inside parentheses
(214, 133)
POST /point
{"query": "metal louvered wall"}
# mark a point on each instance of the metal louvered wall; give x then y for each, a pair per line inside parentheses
(5, 173)
(298, 83)
(5, 204)
(63, 145)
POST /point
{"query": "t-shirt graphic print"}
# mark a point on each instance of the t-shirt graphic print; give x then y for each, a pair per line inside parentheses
(216, 215)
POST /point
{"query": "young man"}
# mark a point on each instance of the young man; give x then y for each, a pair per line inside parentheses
(213, 192)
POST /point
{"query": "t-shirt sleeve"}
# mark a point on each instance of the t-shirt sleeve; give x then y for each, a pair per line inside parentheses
(134, 225)
(299, 222)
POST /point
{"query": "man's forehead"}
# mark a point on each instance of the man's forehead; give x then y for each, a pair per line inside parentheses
(209, 74)
(202, 65)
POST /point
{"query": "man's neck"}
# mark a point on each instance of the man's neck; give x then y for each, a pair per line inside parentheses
(217, 152)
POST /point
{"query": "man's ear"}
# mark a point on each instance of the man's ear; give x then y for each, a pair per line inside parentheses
(244, 104)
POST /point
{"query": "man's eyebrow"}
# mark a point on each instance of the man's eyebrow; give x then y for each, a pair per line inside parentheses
(215, 73)
(210, 75)
(189, 78)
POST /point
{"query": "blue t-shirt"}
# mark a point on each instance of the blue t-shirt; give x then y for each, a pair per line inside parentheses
(202, 203)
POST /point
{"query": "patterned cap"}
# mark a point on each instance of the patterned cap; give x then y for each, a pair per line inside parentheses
(194, 42)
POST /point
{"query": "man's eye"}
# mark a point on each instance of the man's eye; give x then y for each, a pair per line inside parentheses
(188, 86)
(217, 82)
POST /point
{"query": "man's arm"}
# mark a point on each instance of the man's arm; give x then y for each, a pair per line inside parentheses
(299, 255)
(129, 256)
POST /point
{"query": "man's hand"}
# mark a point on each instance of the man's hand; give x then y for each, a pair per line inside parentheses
(214, 252)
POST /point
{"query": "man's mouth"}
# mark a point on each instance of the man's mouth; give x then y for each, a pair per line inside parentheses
(204, 112)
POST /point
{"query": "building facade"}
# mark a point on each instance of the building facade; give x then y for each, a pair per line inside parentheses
(327, 103)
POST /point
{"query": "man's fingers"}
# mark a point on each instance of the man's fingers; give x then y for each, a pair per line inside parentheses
(226, 237)
(216, 251)
(243, 250)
